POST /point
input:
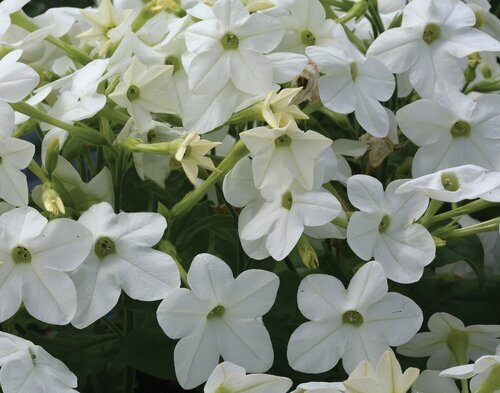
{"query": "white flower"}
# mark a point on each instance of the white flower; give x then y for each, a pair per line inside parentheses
(387, 377)
(354, 83)
(230, 378)
(36, 255)
(429, 381)
(384, 228)
(289, 148)
(282, 214)
(320, 387)
(231, 45)
(452, 130)
(277, 108)
(431, 40)
(28, 368)
(454, 184)
(142, 91)
(485, 372)
(219, 317)
(356, 324)
(121, 258)
(449, 338)
(307, 25)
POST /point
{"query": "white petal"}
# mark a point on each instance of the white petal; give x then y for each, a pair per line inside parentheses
(315, 208)
(209, 71)
(17, 80)
(366, 193)
(368, 286)
(251, 72)
(362, 233)
(371, 115)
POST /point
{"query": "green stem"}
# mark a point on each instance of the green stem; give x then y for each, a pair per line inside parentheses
(168, 248)
(110, 324)
(433, 208)
(331, 189)
(38, 171)
(339, 221)
(112, 114)
(492, 381)
(73, 52)
(238, 151)
(129, 375)
(471, 207)
(85, 134)
(356, 11)
(487, 226)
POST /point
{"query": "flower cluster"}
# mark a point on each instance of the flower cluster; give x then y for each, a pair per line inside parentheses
(292, 186)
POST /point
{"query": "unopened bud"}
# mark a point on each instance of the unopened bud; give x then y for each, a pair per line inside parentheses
(307, 253)
(52, 202)
(52, 155)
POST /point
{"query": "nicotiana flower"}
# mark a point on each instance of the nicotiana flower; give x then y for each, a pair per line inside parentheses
(320, 387)
(142, 92)
(387, 377)
(352, 82)
(432, 38)
(122, 258)
(356, 324)
(449, 342)
(281, 216)
(485, 372)
(278, 109)
(384, 228)
(429, 381)
(454, 184)
(451, 130)
(230, 45)
(230, 378)
(26, 367)
(220, 316)
(305, 26)
(36, 257)
(288, 147)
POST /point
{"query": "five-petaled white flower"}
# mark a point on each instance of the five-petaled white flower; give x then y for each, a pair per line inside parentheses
(27, 367)
(355, 324)
(219, 317)
(36, 257)
(384, 228)
(122, 258)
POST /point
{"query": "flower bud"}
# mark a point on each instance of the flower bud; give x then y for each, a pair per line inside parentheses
(52, 155)
(307, 253)
(52, 202)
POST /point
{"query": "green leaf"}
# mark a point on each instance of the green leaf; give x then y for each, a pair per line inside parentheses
(468, 249)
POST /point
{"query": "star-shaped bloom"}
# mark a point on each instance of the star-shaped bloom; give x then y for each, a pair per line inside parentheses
(429, 381)
(356, 324)
(485, 373)
(36, 257)
(289, 148)
(281, 216)
(454, 184)
(384, 228)
(352, 82)
(432, 38)
(230, 378)
(230, 45)
(306, 26)
(220, 316)
(142, 92)
(27, 367)
(121, 258)
(451, 130)
(387, 377)
(448, 339)
(277, 108)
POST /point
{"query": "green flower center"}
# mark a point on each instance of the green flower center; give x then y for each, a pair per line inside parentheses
(21, 254)
(352, 317)
(460, 129)
(354, 71)
(450, 181)
(103, 247)
(133, 93)
(458, 343)
(173, 61)
(230, 41)
(479, 20)
(307, 37)
(283, 141)
(384, 224)
(217, 312)
(432, 33)
(287, 200)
